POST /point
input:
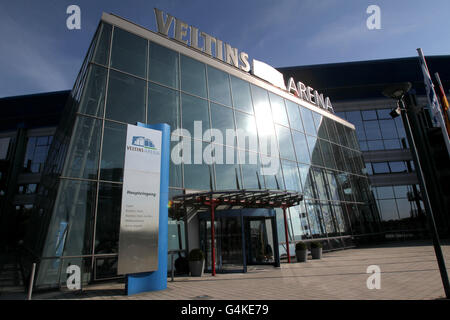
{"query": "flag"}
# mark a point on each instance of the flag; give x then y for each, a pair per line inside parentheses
(444, 102)
(433, 100)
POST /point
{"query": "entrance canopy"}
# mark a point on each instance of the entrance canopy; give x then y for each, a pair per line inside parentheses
(189, 204)
(237, 199)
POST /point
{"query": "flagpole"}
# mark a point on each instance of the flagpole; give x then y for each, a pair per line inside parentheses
(432, 99)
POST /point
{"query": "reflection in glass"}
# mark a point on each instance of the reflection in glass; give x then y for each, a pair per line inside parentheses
(285, 143)
(291, 178)
(194, 109)
(82, 157)
(294, 116)
(101, 52)
(93, 98)
(247, 133)
(222, 120)
(301, 147)
(163, 106)
(163, 65)
(70, 228)
(108, 218)
(242, 99)
(308, 121)
(278, 109)
(193, 76)
(126, 98)
(219, 86)
(129, 53)
(113, 151)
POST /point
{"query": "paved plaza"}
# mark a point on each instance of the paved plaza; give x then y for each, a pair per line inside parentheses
(408, 271)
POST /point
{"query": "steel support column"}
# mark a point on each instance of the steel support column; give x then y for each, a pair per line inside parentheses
(286, 232)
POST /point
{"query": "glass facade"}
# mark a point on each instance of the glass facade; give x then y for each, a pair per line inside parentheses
(376, 130)
(125, 79)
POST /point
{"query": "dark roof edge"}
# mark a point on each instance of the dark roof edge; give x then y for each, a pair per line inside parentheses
(320, 65)
(35, 94)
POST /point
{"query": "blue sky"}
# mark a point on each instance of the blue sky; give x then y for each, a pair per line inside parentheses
(38, 53)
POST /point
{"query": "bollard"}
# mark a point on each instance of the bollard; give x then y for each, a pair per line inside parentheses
(30, 288)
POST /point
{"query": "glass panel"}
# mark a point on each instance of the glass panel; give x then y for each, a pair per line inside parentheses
(113, 151)
(83, 154)
(126, 98)
(327, 153)
(261, 104)
(291, 177)
(194, 109)
(402, 191)
(108, 218)
(315, 219)
(222, 120)
(285, 143)
(405, 208)
(314, 148)
(375, 145)
(341, 133)
(301, 147)
(294, 116)
(388, 210)
(398, 166)
(278, 109)
(332, 131)
(328, 219)
(392, 144)
(163, 65)
(105, 267)
(93, 99)
(307, 182)
(321, 183)
(369, 115)
(385, 192)
(384, 113)
(70, 231)
(246, 126)
(242, 99)
(388, 130)
(219, 86)
(321, 127)
(196, 176)
(250, 167)
(193, 76)
(338, 156)
(380, 167)
(372, 130)
(101, 53)
(226, 174)
(332, 186)
(163, 106)
(175, 175)
(308, 121)
(129, 53)
(272, 170)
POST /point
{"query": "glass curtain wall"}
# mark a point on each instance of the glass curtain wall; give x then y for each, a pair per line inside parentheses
(127, 79)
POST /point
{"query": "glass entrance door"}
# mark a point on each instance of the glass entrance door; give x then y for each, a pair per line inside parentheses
(231, 244)
(241, 238)
(259, 244)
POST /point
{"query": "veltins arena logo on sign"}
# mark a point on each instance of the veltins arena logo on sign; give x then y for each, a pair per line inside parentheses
(142, 144)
